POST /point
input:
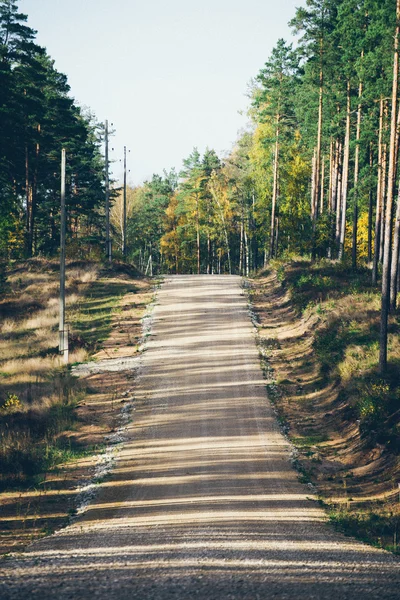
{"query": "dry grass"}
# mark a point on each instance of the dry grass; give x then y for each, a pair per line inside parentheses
(319, 335)
(88, 274)
(51, 424)
(35, 389)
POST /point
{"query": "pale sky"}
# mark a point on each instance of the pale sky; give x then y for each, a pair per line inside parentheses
(169, 75)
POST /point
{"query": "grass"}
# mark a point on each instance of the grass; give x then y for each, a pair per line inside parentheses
(345, 311)
(341, 414)
(311, 283)
(31, 430)
(38, 396)
(378, 526)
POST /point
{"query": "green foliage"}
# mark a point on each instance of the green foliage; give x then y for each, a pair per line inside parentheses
(344, 310)
(379, 526)
(30, 443)
(218, 212)
(376, 404)
(11, 404)
(39, 118)
(146, 223)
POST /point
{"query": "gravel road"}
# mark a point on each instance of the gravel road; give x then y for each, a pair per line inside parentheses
(203, 501)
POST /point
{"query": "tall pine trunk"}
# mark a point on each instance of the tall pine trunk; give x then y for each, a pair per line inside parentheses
(208, 254)
(198, 234)
(339, 197)
(34, 195)
(345, 180)
(246, 245)
(317, 185)
(274, 189)
(313, 168)
(313, 205)
(241, 246)
(383, 204)
(356, 174)
(321, 207)
(394, 275)
(370, 204)
(332, 193)
(331, 176)
(395, 260)
(389, 205)
(28, 200)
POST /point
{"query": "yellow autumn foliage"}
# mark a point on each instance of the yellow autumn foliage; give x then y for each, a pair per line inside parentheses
(362, 238)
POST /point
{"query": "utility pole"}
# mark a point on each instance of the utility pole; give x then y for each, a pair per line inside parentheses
(124, 249)
(63, 330)
(107, 183)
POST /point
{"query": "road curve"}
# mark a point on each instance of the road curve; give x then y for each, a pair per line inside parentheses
(203, 501)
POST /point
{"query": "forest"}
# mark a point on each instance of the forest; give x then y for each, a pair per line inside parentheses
(314, 174)
(305, 207)
(38, 118)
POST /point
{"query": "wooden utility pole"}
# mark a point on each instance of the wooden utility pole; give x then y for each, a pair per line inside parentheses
(107, 185)
(124, 217)
(63, 331)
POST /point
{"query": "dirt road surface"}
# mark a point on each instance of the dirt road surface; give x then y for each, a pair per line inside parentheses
(203, 501)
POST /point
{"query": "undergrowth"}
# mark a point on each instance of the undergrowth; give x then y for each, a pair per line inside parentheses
(379, 526)
(345, 311)
(340, 311)
(31, 437)
(38, 396)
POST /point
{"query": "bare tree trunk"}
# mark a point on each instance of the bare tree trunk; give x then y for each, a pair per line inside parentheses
(370, 204)
(396, 240)
(383, 204)
(254, 234)
(313, 187)
(356, 174)
(313, 205)
(246, 245)
(198, 234)
(395, 260)
(339, 199)
(317, 184)
(274, 189)
(378, 215)
(332, 193)
(276, 236)
(221, 211)
(208, 253)
(335, 176)
(389, 206)
(28, 200)
(331, 176)
(345, 180)
(34, 195)
(321, 209)
(241, 247)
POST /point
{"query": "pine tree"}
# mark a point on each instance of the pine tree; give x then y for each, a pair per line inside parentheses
(275, 104)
